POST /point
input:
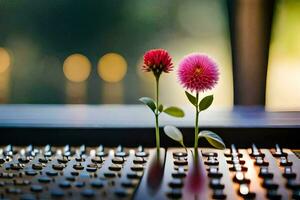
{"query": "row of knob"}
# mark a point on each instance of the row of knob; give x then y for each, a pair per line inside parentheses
(214, 175)
(264, 173)
(67, 150)
(56, 172)
(238, 168)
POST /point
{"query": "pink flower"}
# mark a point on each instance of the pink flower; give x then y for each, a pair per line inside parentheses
(157, 61)
(198, 72)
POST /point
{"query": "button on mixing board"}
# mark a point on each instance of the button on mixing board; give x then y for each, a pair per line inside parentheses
(83, 172)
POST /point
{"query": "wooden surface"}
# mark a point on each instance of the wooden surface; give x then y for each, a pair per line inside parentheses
(131, 125)
(137, 116)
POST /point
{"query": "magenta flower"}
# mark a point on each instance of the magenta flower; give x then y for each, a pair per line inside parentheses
(157, 61)
(198, 72)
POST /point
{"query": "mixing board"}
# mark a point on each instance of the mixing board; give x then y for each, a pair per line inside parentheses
(51, 172)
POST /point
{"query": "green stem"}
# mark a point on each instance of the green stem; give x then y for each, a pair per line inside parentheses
(156, 116)
(182, 144)
(196, 126)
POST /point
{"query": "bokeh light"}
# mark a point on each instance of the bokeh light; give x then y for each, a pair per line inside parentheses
(112, 67)
(77, 68)
(4, 60)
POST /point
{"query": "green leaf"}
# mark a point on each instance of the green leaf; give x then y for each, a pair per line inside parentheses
(206, 102)
(149, 102)
(174, 111)
(212, 138)
(160, 108)
(173, 133)
(191, 98)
